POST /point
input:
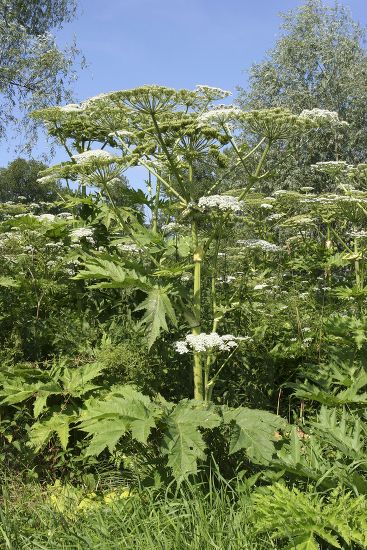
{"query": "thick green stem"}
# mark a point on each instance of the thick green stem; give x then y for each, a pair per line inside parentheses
(197, 258)
(262, 159)
(171, 162)
(357, 267)
(210, 357)
(328, 246)
(156, 206)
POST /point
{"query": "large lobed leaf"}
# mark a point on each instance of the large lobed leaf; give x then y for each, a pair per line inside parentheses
(157, 306)
(124, 410)
(183, 442)
(254, 431)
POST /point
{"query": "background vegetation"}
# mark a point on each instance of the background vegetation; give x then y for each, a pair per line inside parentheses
(185, 367)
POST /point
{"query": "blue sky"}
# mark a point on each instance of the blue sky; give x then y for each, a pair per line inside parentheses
(178, 43)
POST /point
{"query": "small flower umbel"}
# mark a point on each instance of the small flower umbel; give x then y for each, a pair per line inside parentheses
(204, 343)
(222, 203)
(210, 345)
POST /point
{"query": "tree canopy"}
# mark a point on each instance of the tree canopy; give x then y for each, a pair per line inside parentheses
(34, 71)
(319, 61)
(18, 182)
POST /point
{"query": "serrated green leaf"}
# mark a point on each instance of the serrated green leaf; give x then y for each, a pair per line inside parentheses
(304, 542)
(157, 306)
(41, 432)
(76, 381)
(254, 432)
(40, 403)
(117, 275)
(107, 421)
(183, 442)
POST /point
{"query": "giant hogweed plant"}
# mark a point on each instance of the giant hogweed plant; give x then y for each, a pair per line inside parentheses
(170, 133)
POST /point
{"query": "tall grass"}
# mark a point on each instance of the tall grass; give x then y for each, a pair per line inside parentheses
(193, 517)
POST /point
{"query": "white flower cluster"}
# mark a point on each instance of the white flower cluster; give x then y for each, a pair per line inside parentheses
(72, 108)
(203, 342)
(132, 248)
(46, 179)
(172, 227)
(226, 279)
(362, 234)
(46, 217)
(275, 216)
(259, 243)
(323, 115)
(266, 206)
(121, 133)
(335, 199)
(10, 235)
(186, 277)
(220, 202)
(53, 245)
(212, 90)
(82, 232)
(331, 166)
(98, 97)
(220, 114)
(90, 156)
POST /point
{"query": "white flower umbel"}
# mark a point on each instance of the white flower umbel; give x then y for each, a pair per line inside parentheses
(72, 108)
(220, 115)
(259, 243)
(172, 227)
(65, 215)
(212, 91)
(46, 217)
(121, 133)
(323, 115)
(45, 180)
(93, 155)
(130, 248)
(331, 166)
(224, 203)
(275, 216)
(81, 232)
(361, 234)
(202, 343)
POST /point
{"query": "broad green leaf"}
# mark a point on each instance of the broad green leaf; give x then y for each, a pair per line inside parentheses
(118, 276)
(76, 381)
(9, 282)
(303, 542)
(41, 431)
(18, 391)
(40, 403)
(254, 432)
(183, 442)
(106, 421)
(157, 306)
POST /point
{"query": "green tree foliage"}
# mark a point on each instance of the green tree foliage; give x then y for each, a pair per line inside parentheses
(19, 179)
(34, 72)
(318, 62)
